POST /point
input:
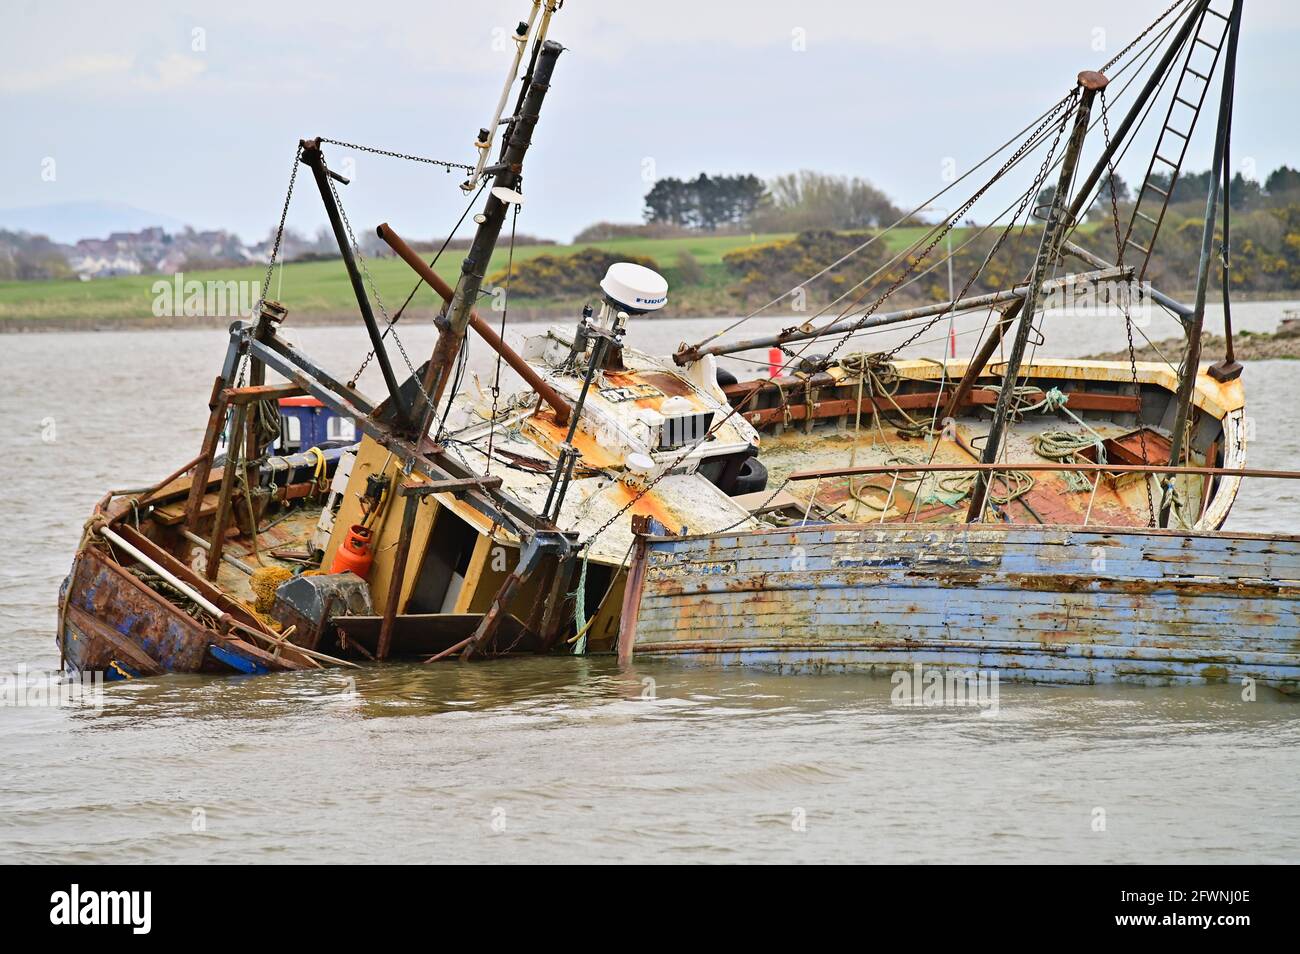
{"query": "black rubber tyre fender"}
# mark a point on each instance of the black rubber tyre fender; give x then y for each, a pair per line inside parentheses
(752, 478)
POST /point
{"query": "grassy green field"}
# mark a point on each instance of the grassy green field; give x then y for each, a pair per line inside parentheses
(321, 289)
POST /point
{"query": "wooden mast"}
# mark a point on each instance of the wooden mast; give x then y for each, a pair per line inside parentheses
(1192, 350)
(452, 325)
(1091, 83)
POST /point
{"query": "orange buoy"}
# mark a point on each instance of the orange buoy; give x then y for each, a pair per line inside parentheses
(354, 552)
(775, 362)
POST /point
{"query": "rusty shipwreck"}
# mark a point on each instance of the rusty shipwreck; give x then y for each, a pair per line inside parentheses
(1055, 519)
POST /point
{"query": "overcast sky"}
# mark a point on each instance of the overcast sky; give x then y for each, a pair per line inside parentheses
(193, 110)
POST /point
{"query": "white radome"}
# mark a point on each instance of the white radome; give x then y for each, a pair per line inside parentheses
(635, 288)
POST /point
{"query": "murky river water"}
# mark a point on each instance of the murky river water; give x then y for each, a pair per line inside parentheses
(564, 759)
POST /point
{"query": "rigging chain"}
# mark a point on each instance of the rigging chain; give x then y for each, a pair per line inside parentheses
(1141, 36)
(1125, 305)
(1069, 105)
(449, 166)
(1068, 101)
(370, 281)
(275, 254)
(1025, 199)
(397, 315)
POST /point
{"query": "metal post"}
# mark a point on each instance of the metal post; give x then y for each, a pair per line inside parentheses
(1091, 83)
(1192, 351)
(568, 454)
(409, 513)
(1084, 195)
(451, 326)
(985, 354)
(1229, 369)
(314, 160)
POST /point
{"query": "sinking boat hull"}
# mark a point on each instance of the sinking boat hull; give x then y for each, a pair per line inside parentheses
(1037, 604)
(111, 622)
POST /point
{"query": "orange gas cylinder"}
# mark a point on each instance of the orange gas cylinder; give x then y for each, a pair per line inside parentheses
(354, 552)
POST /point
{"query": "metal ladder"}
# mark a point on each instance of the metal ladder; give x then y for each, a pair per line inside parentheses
(1190, 92)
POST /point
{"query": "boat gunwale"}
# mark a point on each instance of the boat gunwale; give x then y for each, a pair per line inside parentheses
(1097, 529)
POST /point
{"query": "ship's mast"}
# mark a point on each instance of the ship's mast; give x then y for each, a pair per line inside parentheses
(509, 171)
(1090, 83)
(1192, 350)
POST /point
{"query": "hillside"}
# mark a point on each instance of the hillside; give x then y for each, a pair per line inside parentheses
(319, 291)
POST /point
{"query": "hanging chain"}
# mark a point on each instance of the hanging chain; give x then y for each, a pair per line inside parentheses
(449, 166)
(1126, 306)
(1067, 106)
(374, 290)
(275, 254)
(505, 309)
(279, 232)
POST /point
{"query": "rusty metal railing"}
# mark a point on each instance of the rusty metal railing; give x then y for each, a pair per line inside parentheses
(895, 470)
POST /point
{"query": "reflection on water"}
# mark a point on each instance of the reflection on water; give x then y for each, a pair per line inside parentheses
(562, 759)
(568, 759)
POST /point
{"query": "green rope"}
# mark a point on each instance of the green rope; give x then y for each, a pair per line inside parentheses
(580, 607)
(1172, 500)
(1065, 445)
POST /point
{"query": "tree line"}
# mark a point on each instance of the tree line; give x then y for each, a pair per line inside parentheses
(788, 203)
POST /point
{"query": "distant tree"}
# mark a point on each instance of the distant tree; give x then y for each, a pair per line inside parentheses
(806, 200)
(1282, 181)
(1245, 193)
(28, 257)
(669, 202)
(1103, 207)
(705, 202)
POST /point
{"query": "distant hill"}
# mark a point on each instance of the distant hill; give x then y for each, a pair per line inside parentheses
(67, 222)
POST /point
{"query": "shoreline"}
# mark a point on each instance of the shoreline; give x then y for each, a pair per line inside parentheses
(304, 320)
(707, 308)
(1281, 345)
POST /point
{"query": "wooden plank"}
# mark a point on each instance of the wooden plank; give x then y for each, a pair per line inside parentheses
(1066, 605)
(128, 652)
(1091, 557)
(827, 613)
(1263, 614)
(473, 573)
(796, 407)
(175, 513)
(211, 437)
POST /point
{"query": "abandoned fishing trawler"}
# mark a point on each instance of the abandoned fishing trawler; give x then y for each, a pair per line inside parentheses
(408, 544)
(1056, 519)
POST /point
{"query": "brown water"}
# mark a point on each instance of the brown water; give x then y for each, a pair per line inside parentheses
(571, 759)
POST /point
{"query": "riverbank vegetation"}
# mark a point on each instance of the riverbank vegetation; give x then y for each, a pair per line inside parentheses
(725, 244)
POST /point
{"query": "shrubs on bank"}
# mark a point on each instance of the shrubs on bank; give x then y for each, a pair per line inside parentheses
(556, 276)
(766, 271)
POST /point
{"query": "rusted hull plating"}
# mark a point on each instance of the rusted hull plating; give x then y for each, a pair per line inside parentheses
(113, 623)
(1039, 604)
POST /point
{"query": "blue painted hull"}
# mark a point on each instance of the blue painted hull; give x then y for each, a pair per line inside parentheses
(111, 622)
(1040, 604)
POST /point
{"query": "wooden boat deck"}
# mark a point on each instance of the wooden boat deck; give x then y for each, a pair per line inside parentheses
(938, 498)
(1042, 604)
